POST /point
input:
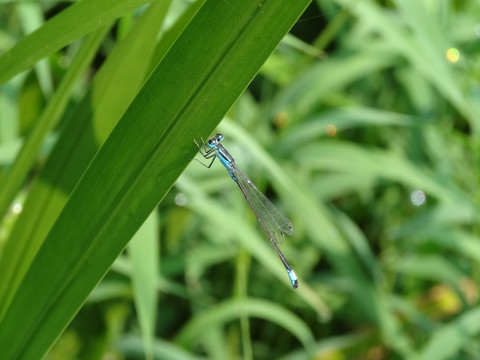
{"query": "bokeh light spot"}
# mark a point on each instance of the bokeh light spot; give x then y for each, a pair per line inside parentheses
(181, 199)
(417, 197)
(453, 55)
(331, 130)
(281, 120)
(17, 208)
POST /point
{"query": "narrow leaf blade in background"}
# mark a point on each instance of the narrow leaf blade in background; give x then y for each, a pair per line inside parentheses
(76, 21)
(144, 257)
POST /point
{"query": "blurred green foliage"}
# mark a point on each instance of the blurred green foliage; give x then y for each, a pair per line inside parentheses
(362, 127)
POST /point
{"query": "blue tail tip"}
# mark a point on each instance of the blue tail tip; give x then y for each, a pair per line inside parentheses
(293, 278)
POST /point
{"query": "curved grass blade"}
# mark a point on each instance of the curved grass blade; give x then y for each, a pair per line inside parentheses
(229, 310)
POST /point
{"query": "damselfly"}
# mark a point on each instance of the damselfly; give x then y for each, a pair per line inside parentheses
(273, 222)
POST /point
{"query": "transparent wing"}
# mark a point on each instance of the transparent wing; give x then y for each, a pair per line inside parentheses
(275, 224)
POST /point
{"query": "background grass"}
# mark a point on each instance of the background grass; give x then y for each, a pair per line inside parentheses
(357, 107)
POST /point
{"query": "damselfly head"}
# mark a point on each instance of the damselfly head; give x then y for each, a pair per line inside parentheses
(214, 140)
